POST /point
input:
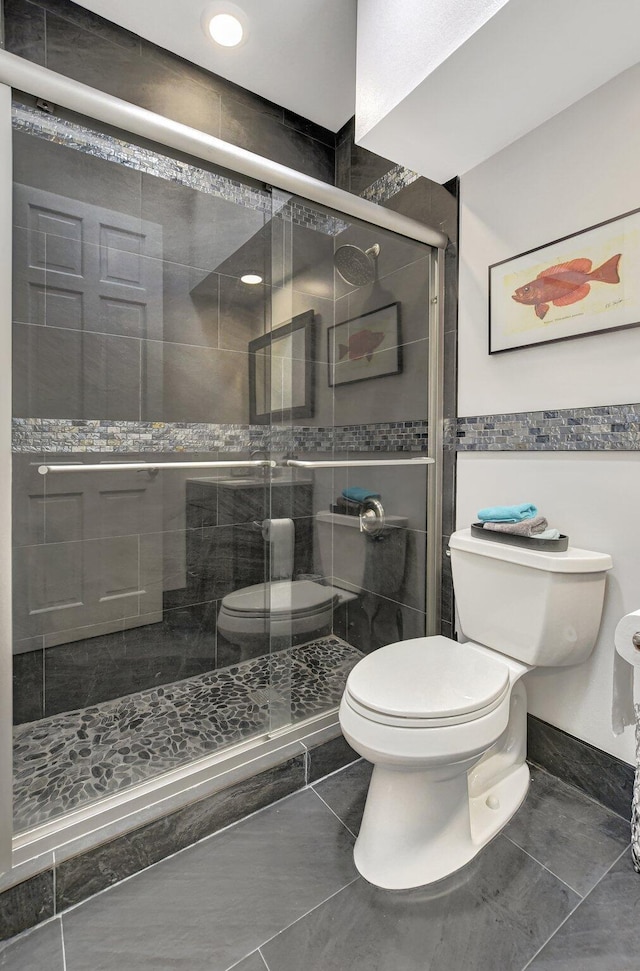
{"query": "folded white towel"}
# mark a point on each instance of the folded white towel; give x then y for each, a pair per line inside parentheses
(527, 527)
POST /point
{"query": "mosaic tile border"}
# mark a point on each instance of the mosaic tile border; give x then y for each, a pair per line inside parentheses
(614, 427)
(111, 149)
(605, 427)
(37, 435)
(389, 184)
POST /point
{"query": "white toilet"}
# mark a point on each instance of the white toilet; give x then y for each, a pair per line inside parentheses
(293, 611)
(444, 723)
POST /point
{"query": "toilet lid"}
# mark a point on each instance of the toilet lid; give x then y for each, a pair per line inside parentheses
(293, 597)
(428, 677)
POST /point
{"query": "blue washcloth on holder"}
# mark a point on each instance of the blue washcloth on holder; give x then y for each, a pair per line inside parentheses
(357, 494)
(508, 514)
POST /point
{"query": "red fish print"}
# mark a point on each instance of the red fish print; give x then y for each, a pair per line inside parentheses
(361, 344)
(565, 283)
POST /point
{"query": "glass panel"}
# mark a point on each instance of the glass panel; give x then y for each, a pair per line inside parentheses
(366, 370)
(131, 342)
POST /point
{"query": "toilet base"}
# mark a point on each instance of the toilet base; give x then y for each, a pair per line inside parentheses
(418, 827)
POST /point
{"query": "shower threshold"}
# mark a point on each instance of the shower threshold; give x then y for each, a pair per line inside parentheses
(68, 761)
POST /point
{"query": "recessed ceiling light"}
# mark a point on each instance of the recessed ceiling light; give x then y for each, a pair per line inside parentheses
(225, 24)
(225, 29)
(251, 278)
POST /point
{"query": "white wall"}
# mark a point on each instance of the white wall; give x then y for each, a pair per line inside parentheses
(576, 170)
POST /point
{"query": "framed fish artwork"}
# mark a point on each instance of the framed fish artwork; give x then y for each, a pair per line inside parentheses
(365, 347)
(586, 283)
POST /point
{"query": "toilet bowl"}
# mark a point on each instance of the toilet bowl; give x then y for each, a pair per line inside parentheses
(284, 609)
(444, 723)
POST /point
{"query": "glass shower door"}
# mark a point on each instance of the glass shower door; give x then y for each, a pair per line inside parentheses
(351, 387)
(141, 632)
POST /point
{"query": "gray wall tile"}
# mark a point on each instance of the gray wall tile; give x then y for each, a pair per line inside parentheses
(24, 30)
(81, 17)
(76, 175)
(188, 383)
(28, 686)
(26, 904)
(101, 374)
(326, 758)
(260, 133)
(125, 73)
(603, 777)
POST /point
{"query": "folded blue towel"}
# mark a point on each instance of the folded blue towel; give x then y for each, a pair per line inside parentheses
(508, 514)
(357, 494)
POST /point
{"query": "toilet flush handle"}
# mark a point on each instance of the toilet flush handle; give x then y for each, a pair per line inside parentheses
(372, 518)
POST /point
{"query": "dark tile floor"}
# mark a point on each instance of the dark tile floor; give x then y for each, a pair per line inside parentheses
(279, 892)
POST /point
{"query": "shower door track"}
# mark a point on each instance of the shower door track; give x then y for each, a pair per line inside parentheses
(136, 805)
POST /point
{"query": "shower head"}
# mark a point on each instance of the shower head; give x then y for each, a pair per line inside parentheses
(355, 265)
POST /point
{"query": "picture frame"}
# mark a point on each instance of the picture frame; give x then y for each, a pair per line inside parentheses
(365, 347)
(282, 372)
(582, 284)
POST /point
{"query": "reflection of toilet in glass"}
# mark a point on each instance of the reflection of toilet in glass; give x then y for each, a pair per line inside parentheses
(295, 611)
(444, 723)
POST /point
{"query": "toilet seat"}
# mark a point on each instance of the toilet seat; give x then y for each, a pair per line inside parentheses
(427, 682)
(296, 598)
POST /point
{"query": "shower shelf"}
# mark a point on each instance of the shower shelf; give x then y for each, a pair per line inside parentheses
(155, 466)
(295, 464)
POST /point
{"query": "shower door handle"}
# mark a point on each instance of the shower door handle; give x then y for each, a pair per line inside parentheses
(155, 466)
(296, 464)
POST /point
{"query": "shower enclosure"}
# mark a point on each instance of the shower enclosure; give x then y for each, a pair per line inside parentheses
(204, 362)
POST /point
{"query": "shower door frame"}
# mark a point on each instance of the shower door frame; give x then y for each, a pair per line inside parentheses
(113, 815)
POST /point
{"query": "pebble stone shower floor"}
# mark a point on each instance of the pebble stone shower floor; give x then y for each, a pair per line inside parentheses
(67, 760)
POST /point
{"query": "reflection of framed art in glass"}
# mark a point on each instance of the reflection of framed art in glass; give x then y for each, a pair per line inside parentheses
(367, 346)
(582, 284)
(281, 372)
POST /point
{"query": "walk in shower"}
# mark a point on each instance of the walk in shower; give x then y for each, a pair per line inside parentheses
(205, 366)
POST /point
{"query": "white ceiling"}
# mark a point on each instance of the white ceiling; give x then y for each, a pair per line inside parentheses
(299, 53)
(441, 84)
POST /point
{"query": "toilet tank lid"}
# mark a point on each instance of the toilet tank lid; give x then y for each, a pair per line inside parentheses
(573, 560)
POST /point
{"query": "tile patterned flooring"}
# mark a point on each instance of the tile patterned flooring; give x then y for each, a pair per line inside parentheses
(555, 891)
(67, 760)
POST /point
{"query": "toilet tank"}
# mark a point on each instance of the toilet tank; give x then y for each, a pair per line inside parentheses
(542, 608)
(352, 560)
